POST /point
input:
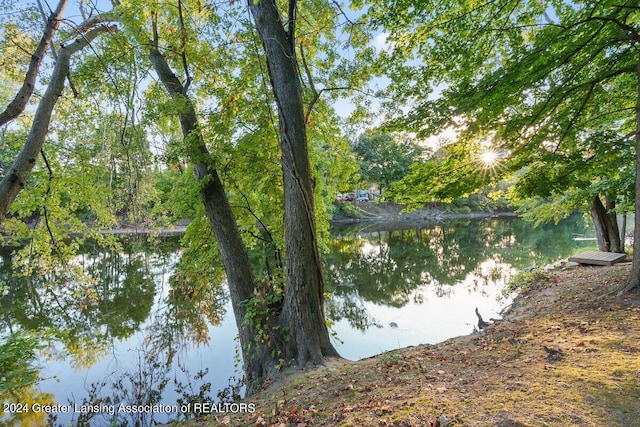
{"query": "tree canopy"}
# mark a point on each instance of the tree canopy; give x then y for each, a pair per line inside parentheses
(554, 83)
(384, 158)
(223, 113)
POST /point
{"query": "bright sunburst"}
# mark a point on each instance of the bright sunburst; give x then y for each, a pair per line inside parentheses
(489, 158)
(490, 161)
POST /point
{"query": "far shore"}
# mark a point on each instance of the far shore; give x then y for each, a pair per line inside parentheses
(385, 212)
(392, 212)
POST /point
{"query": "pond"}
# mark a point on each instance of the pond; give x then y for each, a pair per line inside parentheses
(127, 334)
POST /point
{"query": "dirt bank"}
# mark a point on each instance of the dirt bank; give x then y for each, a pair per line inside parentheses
(567, 354)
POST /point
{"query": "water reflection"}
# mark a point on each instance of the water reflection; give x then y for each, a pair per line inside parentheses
(103, 305)
(127, 325)
(395, 266)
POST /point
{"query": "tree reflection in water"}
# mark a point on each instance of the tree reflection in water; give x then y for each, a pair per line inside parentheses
(159, 301)
(103, 297)
(390, 264)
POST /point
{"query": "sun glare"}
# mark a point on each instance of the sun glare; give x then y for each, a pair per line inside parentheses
(490, 161)
(489, 158)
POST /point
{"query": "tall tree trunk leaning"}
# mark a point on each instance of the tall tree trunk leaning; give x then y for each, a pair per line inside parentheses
(606, 224)
(634, 279)
(16, 177)
(258, 362)
(302, 314)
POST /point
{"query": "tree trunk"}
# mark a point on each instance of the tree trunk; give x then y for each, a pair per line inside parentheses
(611, 222)
(606, 225)
(16, 177)
(634, 279)
(302, 314)
(258, 362)
(623, 232)
(18, 104)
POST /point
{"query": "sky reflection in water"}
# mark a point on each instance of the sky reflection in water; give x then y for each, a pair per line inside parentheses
(392, 285)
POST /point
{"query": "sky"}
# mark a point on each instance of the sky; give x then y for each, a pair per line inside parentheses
(343, 106)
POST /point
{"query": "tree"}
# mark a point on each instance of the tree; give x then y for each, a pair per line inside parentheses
(384, 160)
(19, 102)
(544, 80)
(233, 252)
(15, 179)
(302, 313)
(279, 323)
(554, 185)
(458, 173)
(212, 82)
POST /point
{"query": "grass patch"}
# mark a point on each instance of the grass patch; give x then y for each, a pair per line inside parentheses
(521, 282)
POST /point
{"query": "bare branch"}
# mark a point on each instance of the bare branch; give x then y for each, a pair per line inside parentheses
(344, 15)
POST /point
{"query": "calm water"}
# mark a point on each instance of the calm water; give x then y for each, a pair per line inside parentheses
(129, 332)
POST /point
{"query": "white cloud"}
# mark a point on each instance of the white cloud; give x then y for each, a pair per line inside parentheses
(380, 43)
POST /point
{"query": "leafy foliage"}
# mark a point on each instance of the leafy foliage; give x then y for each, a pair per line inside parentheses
(458, 173)
(18, 354)
(552, 82)
(114, 155)
(384, 160)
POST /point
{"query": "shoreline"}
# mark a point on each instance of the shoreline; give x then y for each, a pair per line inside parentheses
(565, 353)
(391, 212)
(377, 213)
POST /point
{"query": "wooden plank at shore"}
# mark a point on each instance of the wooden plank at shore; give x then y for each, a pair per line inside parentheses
(597, 258)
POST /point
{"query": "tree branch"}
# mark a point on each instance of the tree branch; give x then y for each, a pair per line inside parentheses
(185, 65)
(630, 29)
(341, 11)
(312, 86)
(17, 106)
(291, 24)
(15, 179)
(314, 92)
(54, 242)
